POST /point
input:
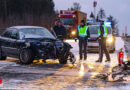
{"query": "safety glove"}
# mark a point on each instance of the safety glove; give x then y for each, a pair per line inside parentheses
(75, 39)
(88, 38)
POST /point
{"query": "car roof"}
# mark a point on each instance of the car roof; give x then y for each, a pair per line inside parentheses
(20, 27)
(93, 25)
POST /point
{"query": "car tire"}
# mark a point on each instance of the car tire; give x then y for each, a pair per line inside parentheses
(1, 56)
(63, 61)
(26, 56)
(72, 57)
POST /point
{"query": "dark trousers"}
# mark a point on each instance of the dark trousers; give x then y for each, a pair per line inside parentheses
(83, 47)
(102, 47)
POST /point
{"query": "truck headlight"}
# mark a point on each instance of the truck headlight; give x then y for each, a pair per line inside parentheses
(110, 39)
(73, 33)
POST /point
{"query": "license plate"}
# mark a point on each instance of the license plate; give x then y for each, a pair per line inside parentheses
(93, 44)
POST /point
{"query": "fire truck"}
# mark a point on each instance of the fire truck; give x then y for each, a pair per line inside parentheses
(71, 20)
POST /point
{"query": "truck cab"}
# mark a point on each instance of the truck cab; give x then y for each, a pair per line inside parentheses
(71, 20)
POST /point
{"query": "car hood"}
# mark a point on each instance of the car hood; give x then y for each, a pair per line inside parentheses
(32, 39)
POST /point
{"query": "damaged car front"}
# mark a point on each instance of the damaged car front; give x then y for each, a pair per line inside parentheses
(38, 43)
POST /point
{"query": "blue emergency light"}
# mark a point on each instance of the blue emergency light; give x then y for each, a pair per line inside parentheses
(107, 24)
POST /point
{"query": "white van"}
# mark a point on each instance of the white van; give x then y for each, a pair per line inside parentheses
(93, 44)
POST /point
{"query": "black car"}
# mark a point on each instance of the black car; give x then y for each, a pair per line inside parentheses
(30, 43)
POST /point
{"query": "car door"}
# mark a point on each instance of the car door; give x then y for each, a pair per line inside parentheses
(13, 43)
(5, 42)
(9, 45)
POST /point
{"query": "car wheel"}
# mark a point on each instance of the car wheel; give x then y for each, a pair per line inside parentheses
(63, 61)
(72, 57)
(26, 56)
(1, 56)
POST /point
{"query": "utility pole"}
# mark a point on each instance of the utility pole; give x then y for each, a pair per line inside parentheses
(125, 30)
(94, 5)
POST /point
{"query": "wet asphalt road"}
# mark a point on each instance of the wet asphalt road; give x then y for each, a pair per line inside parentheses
(54, 76)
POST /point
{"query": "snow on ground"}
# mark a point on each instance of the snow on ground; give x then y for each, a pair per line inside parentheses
(53, 76)
(92, 57)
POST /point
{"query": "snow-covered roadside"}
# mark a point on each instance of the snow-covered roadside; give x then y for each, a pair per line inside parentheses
(92, 57)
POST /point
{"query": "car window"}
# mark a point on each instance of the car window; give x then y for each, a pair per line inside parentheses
(7, 34)
(109, 30)
(94, 29)
(14, 34)
(35, 33)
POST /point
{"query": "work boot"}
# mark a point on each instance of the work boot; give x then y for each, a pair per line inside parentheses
(80, 57)
(107, 61)
(98, 61)
(85, 59)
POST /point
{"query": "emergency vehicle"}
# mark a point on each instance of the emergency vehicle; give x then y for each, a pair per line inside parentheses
(71, 20)
(93, 43)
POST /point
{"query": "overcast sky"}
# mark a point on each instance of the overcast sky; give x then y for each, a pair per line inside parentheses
(120, 9)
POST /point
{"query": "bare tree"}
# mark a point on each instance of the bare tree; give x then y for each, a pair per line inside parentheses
(76, 6)
(114, 24)
(97, 18)
(91, 15)
(101, 13)
(26, 12)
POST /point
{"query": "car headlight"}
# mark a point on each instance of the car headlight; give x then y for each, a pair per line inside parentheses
(110, 39)
(73, 32)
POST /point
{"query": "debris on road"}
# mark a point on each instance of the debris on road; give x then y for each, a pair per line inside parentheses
(117, 74)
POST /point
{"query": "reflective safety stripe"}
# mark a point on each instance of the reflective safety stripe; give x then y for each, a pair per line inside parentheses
(78, 28)
(105, 31)
(82, 31)
(99, 32)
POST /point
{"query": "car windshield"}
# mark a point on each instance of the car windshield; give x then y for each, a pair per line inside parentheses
(109, 30)
(94, 29)
(36, 33)
(68, 21)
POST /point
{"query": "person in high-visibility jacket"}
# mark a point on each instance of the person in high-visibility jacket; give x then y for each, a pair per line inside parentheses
(102, 33)
(83, 35)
